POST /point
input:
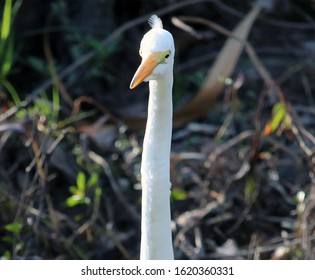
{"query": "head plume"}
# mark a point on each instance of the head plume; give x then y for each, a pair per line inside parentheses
(155, 22)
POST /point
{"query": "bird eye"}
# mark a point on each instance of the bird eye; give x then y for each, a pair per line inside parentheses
(167, 55)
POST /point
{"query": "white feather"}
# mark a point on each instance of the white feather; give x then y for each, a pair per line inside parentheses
(155, 22)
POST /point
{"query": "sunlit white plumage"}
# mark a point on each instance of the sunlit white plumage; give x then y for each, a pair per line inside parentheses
(157, 51)
(155, 22)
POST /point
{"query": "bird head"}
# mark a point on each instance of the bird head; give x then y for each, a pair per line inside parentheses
(157, 51)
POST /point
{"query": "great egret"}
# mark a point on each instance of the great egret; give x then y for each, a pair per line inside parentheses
(157, 51)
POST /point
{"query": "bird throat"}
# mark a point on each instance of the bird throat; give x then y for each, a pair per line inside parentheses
(156, 238)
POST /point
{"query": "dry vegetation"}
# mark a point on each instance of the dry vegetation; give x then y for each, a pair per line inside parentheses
(71, 132)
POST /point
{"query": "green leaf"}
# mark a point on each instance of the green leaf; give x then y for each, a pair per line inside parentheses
(98, 192)
(278, 113)
(75, 200)
(81, 179)
(250, 188)
(97, 195)
(8, 53)
(92, 180)
(178, 194)
(14, 228)
(14, 95)
(73, 189)
(6, 20)
(43, 106)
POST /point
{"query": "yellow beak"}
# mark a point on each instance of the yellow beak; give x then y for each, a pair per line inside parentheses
(145, 69)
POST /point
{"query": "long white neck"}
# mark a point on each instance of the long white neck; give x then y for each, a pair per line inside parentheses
(156, 236)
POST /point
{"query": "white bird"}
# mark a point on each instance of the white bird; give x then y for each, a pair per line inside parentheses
(157, 51)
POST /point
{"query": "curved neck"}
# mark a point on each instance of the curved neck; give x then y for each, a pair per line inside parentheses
(156, 236)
